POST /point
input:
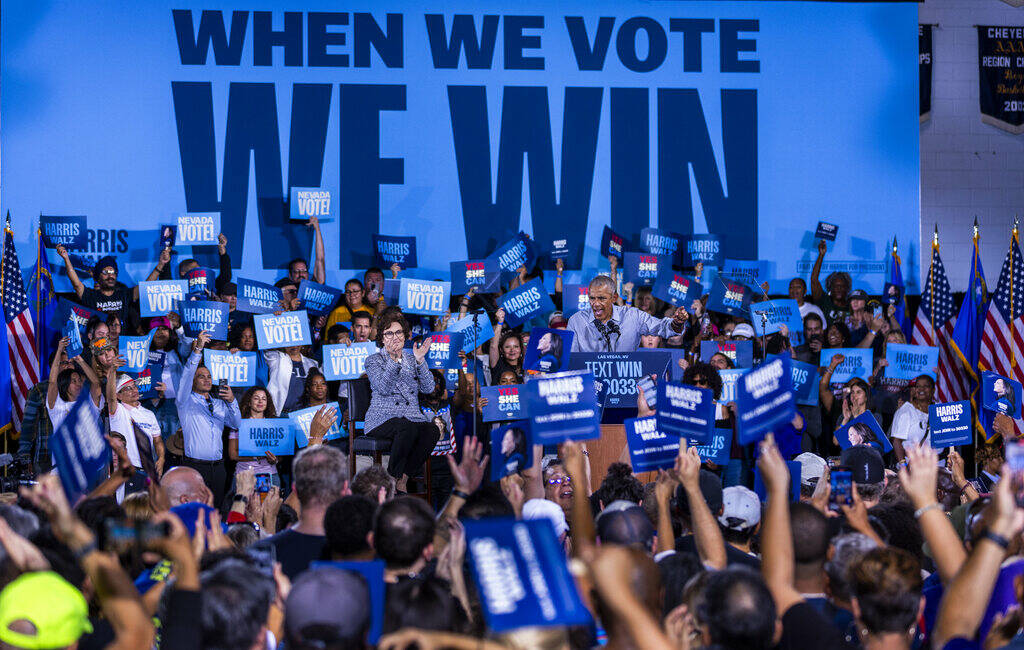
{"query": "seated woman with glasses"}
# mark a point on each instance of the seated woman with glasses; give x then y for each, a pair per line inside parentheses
(397, 377)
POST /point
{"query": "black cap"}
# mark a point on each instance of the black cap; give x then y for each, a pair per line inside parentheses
(858, 294)
(229, 289)
(710, 487)
(865, 464)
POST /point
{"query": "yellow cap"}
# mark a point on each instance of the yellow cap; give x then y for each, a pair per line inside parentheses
(56, 609)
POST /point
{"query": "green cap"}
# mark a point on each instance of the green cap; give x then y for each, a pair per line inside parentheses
(47, 601)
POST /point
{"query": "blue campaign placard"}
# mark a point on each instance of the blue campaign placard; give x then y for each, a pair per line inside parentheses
(80, 453)
(390, 290)
(730, 378)
(612, 243)
(856, 363)
(67, 310)
(302, 418)
(892, 294)
(559, 249)
(730, 297)
(522, 575)
(304, 203)
(511, 449)
(444, 350)
(751, 272)
(282, 331)
(258, 297)
(677, 289)
(621, 370)
(805, 382)
(650, 448)
(428, 297)
(157, 298)
(135, 350)
(642, 269)
(318, 299)
(475, 331)
(826, 231)
(773, 314)
(394, 249)
(717, 449)
(702, 248)
(201, 281)
(239, 368)
(1000, 394)
(204, 316)
(168, 235)
(548, 350)
(67, 231)
(575, 297)
(503, 402)
(863, 430)
(259, 435)
(662, 242)
(342, 362)
(372, 572)
(741, 353)
(198, 229)
(794, 481)
(910, 361)
(147, 380)
(73, 334)
(686, 411)
(525, 302)
(950, 424)
(764, 400)
(563, 406)
(518, 251)
(485, 275)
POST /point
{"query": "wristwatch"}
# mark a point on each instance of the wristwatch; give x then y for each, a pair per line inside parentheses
(241, 497)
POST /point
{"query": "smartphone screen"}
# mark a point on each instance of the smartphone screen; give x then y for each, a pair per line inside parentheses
(650, 390)
(841, 482)
(877, 313)
(1015, 460)
(263, 483)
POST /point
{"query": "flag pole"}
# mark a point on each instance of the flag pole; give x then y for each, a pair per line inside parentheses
(1013, 242)
(39, 307)
(931, 282)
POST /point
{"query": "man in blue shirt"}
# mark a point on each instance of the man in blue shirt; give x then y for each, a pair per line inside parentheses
(607, 327)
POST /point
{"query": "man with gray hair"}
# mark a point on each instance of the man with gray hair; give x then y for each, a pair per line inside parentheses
(321, 478)
(607, 327)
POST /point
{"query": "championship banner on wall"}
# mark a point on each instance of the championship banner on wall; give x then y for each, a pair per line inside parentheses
(924, 41)
(1000, 75)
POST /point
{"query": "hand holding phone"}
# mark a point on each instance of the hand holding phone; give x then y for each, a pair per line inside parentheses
(649, 386)
(841, 482)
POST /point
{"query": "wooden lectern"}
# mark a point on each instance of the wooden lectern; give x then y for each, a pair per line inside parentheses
(607, 450)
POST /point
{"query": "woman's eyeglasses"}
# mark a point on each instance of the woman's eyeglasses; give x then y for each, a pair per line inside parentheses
(393, 334)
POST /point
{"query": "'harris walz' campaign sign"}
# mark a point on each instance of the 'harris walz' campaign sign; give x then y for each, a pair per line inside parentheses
(239, 368)
(518, 251)
(525, 302)
(677, 290)
(198, 228)
(258, 297)
(563, 406)
(204, 316)
(485, 275)
(805, 382)
(394, 249)
(856, 363)
(80, 453)
(1000, 75)
(318, 299)
(741, 353)
(288, 329)
(751, 272)
(910, 361)
(764, 400)
(776, 313)
(642, 268)
(950, 424)
(650, 447)
(826, 231)
(424, 296)
(620, 371)
(475, 331)
(717, 449)
(259, 435)
(157, 298)
(686, 411)
(69, 232)
(304, 203)
(924, 63)
(662, 242)
(135, 350)
(346, 361)
(703, 248)
(503, 402)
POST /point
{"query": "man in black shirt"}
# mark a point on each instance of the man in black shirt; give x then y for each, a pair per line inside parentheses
(107, 296)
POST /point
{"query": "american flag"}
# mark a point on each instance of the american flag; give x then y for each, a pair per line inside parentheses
(934, 327)
(1002, 339)
(21, 332)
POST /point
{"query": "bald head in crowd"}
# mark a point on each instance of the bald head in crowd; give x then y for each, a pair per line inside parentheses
(185, 485)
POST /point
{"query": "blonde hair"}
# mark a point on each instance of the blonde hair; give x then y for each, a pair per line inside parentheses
(136, 506)
(536, 638)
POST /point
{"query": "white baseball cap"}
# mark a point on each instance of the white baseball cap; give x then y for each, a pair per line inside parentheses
(743, 329)
(741, 509)
(812, 467)
(544, 509)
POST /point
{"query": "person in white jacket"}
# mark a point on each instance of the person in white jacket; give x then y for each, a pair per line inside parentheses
(287, 375)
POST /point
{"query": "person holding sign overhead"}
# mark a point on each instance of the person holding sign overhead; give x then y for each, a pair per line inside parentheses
(607, 327)
(203, 419)
(397, 377)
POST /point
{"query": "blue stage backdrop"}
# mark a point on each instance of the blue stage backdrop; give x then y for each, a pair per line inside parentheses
(751, 120)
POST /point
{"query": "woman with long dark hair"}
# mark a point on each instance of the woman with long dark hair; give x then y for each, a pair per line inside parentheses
(549, 351)
(255, 404)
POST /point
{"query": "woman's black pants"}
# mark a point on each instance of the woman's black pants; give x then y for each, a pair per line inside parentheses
(411, 444)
